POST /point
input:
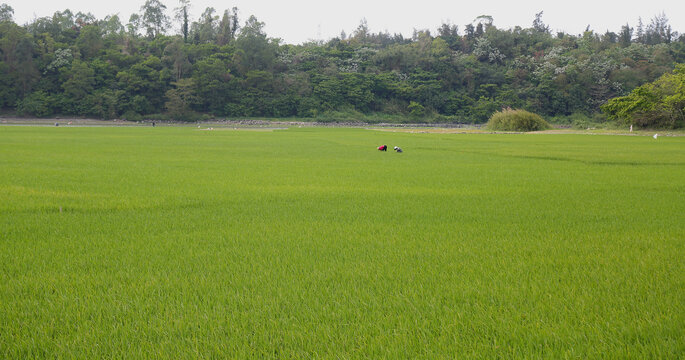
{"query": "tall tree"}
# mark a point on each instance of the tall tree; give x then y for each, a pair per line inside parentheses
(658, 30)
(83, 19)
(175, 54)
(26, 71)
(154, 18)
(538, 25)
(609, 37)
(111, 26)
(625, 36)
(181, 15)
(205, 29)
(486, 20)
(235, 22)
(89, 41)
(640, 31)
(211, 77)
(361, 34)
(470, 31)
(448, 30)
(133, 25)
(256, 51)
(179, 100)
(6, 12)
(17, 50)
(224, 33)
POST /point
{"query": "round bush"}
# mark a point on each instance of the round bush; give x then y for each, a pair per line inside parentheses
(516, 120)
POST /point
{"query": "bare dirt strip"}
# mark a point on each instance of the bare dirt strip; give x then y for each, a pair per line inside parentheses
(270, 125)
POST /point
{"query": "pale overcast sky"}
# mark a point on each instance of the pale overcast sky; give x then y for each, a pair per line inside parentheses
(296, 21)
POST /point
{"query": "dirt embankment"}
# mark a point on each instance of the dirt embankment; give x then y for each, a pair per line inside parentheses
(256, 124)
(216, 122)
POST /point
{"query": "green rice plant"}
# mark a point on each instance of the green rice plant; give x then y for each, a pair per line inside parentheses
(178, 242)
(516, 120)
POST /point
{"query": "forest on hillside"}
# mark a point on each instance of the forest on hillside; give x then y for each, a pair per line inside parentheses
(72, 64)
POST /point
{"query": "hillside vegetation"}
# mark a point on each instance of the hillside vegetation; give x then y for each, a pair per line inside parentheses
(219, 66)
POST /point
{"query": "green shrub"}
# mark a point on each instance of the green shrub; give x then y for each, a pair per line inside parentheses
(658, 104)
(516, 120)
(131, 115)
(416, 110)
(35, 104)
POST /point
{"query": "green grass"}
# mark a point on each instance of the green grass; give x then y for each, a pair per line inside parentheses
(309, 243)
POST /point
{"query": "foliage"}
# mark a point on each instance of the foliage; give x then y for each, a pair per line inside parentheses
(6, 12)
(75, 59)
(659, 104)
(36, 104)
(179, 101)
(516, 120)
(580, 120)
(416, 110)
(154, 19)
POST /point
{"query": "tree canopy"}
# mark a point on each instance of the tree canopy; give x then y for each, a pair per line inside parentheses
(74, 64)
(657, 104)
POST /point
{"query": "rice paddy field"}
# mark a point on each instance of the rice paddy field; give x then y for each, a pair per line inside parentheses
(172, 242)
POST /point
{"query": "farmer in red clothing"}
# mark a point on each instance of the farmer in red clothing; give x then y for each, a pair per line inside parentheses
(383, 148)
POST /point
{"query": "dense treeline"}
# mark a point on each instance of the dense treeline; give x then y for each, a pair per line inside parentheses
(75, 64)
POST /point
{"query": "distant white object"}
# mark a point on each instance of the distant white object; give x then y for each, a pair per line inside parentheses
(655, 136)
(398, 149)
(631, 128)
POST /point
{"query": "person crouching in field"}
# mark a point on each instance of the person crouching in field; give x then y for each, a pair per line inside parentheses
(398, 149)
(383, 148)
